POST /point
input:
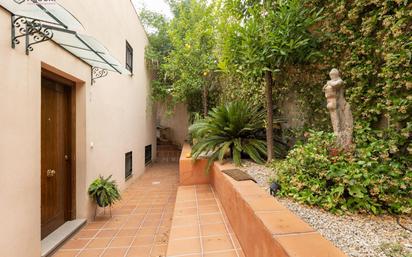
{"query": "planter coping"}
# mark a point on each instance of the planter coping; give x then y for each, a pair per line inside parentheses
(263, 226)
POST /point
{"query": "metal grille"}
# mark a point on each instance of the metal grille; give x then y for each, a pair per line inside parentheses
(129, 57)
(128, 164)
(148, 154)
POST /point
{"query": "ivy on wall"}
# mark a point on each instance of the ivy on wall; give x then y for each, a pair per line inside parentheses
(370, 42)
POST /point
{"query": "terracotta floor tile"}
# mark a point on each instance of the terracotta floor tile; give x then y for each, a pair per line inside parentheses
(143, 240)
(90, 253)
(184, 246)
(184, 221)
(121, 242)
(75, 244)
(208, 209)
(113, 225)
(89, 233)
(222, 254)
(207, 202)
(143, 219)
(114, 252)
(141, 251)
(151, 223)
(127, 232)
(184, 232)
(97, 225)
(66, 253)
(98, 243)
(146, 231)
(205, 196)
(216, 243)
(213, 229)
(187, 204)
(210, 218)
(186, 212)
(106, 233)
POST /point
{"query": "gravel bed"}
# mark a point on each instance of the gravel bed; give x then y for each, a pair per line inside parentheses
(356, 235)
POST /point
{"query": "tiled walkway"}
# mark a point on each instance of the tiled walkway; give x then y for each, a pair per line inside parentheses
(140, 224)
(200, 227)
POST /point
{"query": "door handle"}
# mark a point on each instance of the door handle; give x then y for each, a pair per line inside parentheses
(50, 173)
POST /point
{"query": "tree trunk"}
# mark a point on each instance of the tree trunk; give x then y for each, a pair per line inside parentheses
(204, 100)
(269, 106)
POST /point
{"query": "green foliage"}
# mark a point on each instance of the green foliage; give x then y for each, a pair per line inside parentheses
(229, 128)
(370, 42)
(395, 250)
(160, 46)
(104, 191)
(264, 36)
(371, 179)
(186, 63)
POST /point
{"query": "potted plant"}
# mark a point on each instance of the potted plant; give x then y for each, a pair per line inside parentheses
(104, 191)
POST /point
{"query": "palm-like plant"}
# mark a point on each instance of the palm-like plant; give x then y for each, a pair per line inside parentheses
(230, 128)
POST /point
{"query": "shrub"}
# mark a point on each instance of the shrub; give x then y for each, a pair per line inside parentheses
(373, 178)
(230, 128)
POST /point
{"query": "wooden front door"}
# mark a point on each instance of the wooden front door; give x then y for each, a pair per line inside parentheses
(55, 155)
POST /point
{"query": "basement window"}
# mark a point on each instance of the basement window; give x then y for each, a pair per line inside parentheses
(148, 154)
(128, 165)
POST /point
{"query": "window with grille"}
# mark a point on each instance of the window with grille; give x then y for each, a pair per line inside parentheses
(129, 57)
(128, 164)
(148, 154)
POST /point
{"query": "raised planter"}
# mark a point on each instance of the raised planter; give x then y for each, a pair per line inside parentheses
(192, 172)
(263, 226)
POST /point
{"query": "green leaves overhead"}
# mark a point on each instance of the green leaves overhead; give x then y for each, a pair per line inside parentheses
(186, 69)
(266, 35)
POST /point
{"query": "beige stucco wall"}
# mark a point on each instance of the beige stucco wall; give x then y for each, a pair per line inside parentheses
(177, 120)
(114, 115)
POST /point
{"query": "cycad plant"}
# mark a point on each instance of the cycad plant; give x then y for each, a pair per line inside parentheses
(230, 128)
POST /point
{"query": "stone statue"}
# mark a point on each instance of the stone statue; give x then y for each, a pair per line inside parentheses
(339, 109)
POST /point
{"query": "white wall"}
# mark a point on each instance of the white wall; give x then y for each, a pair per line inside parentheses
(114, 114)
(177, 121)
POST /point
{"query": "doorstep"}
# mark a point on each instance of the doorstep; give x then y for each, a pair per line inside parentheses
(57, 237)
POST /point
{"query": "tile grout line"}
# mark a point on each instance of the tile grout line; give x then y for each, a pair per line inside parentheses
(147, 213)
(158, 207)
(224, 222)
(209, 252)
(108, 245)
(91, 239)
(140, 227)
(161, 220)
(198, 222)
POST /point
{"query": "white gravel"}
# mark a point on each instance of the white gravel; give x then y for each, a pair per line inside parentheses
(356, 235)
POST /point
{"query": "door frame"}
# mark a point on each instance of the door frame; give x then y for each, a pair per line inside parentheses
(71, 196)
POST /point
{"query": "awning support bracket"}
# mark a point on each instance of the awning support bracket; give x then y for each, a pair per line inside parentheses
(31, 29)
(97, 73)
